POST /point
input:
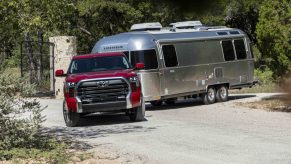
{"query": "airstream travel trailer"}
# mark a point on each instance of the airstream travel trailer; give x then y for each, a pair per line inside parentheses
(185, 60)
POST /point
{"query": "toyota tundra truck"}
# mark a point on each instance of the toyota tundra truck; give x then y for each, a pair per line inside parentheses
(103, 82)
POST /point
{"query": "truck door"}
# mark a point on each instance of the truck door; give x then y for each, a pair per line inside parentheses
(170, 79)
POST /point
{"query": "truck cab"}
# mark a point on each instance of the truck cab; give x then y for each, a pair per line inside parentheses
(104, 82)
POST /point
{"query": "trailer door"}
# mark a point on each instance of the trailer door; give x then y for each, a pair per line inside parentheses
(170, 82)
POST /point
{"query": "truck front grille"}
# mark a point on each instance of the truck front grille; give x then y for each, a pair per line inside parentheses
(99, 91)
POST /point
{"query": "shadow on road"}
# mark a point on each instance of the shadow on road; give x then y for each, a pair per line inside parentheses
(177, 105)
(96, 126)
(191, 103)
(104, 119)
(237, 97)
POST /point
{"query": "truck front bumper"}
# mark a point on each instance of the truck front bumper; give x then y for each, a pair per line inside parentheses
(75, 105)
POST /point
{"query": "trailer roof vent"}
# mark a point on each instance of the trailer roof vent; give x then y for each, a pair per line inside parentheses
(154, 26)
(186, 25)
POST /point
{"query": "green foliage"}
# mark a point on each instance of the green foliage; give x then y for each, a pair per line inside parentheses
(20, 123)
(20, 118)
(274, 35)
(51, 151)
(243, 15)
(264, 75)
(266, 22)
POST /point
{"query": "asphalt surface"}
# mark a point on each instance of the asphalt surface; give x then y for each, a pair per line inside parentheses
(187, 132)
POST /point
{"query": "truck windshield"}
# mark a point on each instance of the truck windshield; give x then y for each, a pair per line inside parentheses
(103, 63)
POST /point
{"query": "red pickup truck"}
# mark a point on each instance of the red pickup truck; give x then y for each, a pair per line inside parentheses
(101, 83)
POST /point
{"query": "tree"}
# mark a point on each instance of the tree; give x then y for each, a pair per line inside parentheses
(243, 15)
(274, 35)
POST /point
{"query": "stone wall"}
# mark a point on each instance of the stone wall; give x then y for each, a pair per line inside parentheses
(65, 48)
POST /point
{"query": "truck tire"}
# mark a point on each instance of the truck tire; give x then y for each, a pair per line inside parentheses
(171, 101)
(209, 96)
(157, 103)
(71, 118)
(138, 113)
(222, 94)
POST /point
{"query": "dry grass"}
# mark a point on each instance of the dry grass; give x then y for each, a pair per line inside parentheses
(273, 104)
(277, 103)
(269, 88)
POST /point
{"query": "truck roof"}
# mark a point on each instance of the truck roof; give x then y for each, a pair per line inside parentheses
(86, 56)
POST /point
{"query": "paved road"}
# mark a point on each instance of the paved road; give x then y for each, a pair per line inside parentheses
(187, 132)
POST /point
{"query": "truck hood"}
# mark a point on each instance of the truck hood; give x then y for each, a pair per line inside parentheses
(103, 74)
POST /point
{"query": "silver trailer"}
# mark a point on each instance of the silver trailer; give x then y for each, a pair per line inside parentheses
(185, 62)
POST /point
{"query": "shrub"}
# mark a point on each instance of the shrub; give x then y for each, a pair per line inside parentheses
(265, 76)
(20, 118)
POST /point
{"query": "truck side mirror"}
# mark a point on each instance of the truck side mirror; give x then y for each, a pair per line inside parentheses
(60, 73)
(139, 66)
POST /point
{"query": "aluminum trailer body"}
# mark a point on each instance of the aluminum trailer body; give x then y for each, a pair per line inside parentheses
(185, 62)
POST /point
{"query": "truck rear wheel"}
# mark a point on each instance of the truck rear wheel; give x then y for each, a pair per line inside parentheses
(157, 103)
(138, 113)
(222, 94)
(71, 118)
(209, 96)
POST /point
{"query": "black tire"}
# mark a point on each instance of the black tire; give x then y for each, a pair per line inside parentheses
(222, 94)
(138, 113)
(171, 101)
(157, 103)
(209, 97)
(71, 118)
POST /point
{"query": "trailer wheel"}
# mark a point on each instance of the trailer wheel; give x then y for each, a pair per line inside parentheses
(71, 118)
(138, 113)
(222, 94)
(209, 96)
(157, 103)
(170, 101)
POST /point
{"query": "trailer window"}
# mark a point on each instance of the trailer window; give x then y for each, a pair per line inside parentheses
(240, 49)
(228, 50)
(170, 55)
(148, 57)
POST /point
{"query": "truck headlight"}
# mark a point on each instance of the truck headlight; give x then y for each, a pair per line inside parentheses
(70, 84)
(70, 88)
(134, 83)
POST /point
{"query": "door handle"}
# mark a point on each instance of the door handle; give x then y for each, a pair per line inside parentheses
(172, 71)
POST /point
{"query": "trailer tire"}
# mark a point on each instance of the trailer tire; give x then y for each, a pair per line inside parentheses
(209, 96)
(222, 94)
(138, 113)
(157, 103)
(72, 119)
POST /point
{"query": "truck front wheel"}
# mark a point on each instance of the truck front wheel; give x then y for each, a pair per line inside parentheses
(138, 113)
(71, 118)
